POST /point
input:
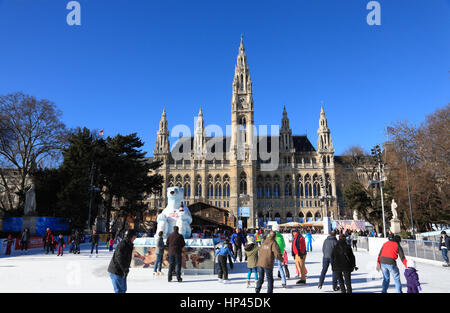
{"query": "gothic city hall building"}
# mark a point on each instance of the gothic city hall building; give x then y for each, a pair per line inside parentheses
(254, 173)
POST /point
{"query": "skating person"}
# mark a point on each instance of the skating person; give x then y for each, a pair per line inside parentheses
(9, 242)
(120, 262)
(268, 251)
(251, 254)
(175, 243)
(285, 264)
(49, 241)
(412, 278)
(159, 251)
(327, 249)
(72, 242)
(77, 241)
(61, 244)
(354, 238)
(386, 262)
(94, 243)
(222, 255)
(444, 246)
(309, 240)
(237, 240)
(110, 242)
(280, 241)
(25, 239)
(299, 250)
(343, 263)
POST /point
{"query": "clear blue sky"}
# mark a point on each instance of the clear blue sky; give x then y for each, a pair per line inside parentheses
(131, 58)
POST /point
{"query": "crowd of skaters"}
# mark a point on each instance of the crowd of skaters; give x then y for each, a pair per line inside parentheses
(263, 249)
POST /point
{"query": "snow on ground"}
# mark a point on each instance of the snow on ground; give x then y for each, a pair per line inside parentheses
(38, 272)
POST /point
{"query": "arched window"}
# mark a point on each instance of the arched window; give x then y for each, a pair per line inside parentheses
(226, 190)
(210, 191)
(218, 193)
(276, 191)
(288, 190)
(259, 191)
(317, 216)
(316, 189)
(309, 217)
(308, 189)
(187, 190)
(243, 184)
(299, 190)
(268, 191)
(199, 190)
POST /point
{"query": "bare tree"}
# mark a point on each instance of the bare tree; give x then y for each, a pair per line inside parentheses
(34, 135)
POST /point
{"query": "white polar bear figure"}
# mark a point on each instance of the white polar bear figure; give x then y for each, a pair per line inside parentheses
(175, 214)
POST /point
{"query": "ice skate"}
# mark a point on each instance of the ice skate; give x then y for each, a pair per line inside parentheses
(226, 281)
(248, 283)
(220, 280)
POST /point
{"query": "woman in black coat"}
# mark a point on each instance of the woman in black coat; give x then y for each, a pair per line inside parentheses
(343, 263)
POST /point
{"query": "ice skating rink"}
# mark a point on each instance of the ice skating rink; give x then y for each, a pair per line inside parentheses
(38, 272)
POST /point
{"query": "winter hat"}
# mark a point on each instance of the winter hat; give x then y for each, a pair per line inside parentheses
(276, 227)
(251, 239)
(411, 264)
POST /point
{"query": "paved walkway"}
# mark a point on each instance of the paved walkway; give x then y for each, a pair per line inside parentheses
(38, 272)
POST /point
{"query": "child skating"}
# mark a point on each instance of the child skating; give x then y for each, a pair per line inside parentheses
(222, 254)
(412, 278)
(61, 245)
(251, 254)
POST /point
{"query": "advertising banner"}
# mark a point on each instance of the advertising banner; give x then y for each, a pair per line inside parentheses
(191, 258)
(12, 224)
(244, 211)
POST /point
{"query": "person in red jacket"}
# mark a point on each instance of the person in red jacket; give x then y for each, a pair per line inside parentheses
(49, 241)
(299, 253)
(387, 262)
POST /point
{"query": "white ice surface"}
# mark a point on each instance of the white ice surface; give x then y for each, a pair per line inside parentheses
(37, 272)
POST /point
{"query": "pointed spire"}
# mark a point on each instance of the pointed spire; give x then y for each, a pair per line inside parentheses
(200, 113)
(241, 47)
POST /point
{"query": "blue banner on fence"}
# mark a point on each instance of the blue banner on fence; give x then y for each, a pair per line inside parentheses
(12, 224)
(54, 223)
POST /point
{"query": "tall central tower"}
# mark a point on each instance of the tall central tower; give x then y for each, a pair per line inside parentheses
(242, 117)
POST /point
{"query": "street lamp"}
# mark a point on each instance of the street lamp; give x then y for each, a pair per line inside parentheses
(92, 190)
(376, 154)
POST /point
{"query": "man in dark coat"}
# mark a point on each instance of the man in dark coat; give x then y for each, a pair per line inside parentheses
(120, 262)
(238, 240)
(25, 239)
(77, 241)
(343, 263)
(94, 243)
(327, 249)
(175, 243)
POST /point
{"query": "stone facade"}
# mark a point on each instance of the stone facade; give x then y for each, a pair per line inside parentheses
(281, 176)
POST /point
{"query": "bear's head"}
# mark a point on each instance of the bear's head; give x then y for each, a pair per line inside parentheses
(175, 195)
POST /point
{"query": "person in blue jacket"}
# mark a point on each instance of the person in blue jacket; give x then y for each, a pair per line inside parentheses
(309, 240)
(222, 254)
(238, 240)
